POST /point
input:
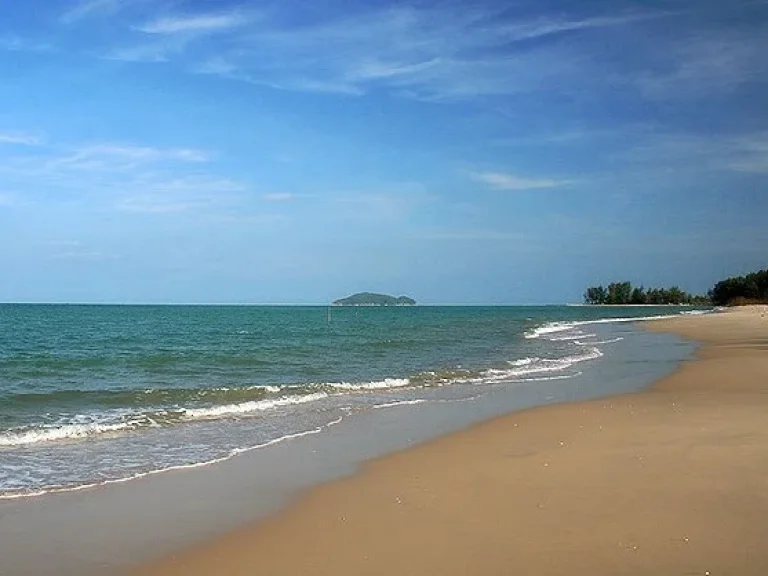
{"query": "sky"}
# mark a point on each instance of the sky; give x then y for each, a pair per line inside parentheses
(499, 152)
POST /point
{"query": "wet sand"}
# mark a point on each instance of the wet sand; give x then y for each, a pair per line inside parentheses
(673, 480)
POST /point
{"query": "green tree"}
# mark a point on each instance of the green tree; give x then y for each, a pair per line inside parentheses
(619, 293)
(595, 295)
(750, 288)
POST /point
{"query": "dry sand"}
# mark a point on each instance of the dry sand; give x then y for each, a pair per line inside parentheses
(669, 481)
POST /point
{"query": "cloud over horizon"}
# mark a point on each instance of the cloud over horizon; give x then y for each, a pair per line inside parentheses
(417, 140)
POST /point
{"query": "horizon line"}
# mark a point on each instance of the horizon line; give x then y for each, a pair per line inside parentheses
(253, 304)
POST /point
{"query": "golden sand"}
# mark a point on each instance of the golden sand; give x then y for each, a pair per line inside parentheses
(673, 480)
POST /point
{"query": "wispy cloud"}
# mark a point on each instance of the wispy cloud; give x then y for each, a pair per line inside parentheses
(151, 204)
(751, 154)
(218, 66)
(6, 199)
(394, 203)
(20, 138)
(449, 54)
(19, 44)
(86, 8)
(182, 194)
(512, 182)
(548, 26)
(697, 65)
(423, 53)
(152, 52)
(126, 177)
(743, 153)
(564, 138)
(120, 157)
(194, 24)
(279, 197)
(84, 254)
(169, 38)
(471, 234)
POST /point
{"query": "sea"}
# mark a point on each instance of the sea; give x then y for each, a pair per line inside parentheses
(99, 394)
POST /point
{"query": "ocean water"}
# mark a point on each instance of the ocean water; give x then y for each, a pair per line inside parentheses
(100, 394)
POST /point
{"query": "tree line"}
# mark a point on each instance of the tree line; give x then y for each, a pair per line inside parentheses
(733, 291)
(623, 293)
(749, 289)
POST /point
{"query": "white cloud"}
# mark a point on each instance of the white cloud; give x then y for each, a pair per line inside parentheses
(88, 8)
(504, 181)
(194, 24)
(197, 184)
(394, 203)
(87, 255)
(218, 66)
(129, 178)
(65, 243)
(374, 69)
(172, 36)
(698, 65)
(471, 235)
(149, 204)
(564, 138)
(744, 153)
(179, 195)
(183, 194)
(434, 54)
(158, 52)
(19, 44)
(429, 54)
(120, 157)
(441, 54)
(750, 154)
(20, 138)
(279, 196)
(548, 27)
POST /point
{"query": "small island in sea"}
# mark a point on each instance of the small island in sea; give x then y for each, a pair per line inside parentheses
(373, 299)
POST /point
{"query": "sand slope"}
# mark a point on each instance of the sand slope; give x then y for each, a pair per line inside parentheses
(669, 481)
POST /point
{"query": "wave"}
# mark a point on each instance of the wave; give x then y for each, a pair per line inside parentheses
(177, 396)
(595, 342)
(571, 337)
(544, 365)
(249, 407)
(136, 476)
(66, 432)
(376, 385)
(116, 421)
(103, 413)
(554, 327)
(400, 403)
(522, 361)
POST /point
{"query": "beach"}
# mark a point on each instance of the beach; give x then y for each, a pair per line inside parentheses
(670, 480)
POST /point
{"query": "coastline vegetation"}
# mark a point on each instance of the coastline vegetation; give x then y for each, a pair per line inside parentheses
(741, 290)
(733, 291)
(623, 293)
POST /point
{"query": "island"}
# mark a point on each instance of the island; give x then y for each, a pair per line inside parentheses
(372, 299)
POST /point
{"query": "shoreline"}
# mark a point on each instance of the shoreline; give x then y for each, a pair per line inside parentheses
(111, 528)
(674, 487)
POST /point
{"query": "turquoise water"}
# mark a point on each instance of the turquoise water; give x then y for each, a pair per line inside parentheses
(92, 394)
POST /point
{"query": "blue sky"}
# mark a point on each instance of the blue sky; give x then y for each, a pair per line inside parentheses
(458, 152)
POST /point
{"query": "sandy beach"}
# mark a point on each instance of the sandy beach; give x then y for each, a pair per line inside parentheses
(673, 480)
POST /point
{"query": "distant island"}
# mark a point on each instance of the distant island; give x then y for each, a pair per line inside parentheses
(372, 299)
